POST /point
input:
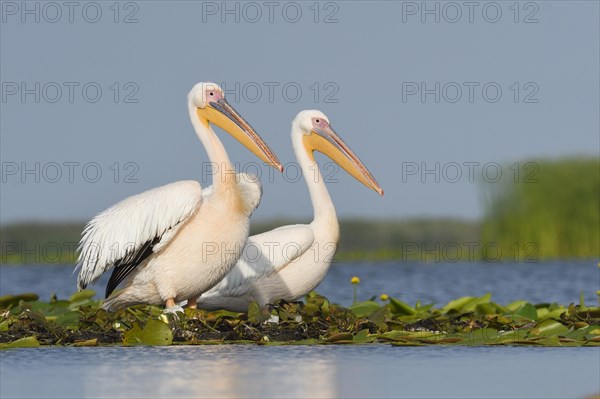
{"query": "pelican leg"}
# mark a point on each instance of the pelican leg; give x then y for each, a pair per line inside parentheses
(192, 303)
(170, 303)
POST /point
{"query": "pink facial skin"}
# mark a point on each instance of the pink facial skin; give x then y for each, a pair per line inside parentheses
(319, 123)
(213, 95)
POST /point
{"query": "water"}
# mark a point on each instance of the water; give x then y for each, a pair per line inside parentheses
(375, 370)
(230, 371)
(439, 283)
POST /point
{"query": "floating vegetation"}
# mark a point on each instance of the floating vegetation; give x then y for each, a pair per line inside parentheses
(25, 321)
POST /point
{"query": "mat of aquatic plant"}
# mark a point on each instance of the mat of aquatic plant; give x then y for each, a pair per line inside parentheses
(25, 321)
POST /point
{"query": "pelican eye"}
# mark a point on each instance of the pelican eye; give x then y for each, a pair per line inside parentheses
(211, 93)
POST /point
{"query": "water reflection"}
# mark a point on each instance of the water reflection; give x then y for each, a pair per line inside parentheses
(362, 371)
(218, 371)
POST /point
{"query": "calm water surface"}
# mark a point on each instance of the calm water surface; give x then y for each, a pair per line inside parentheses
(379, 371)
(437, 282)
(371, 371)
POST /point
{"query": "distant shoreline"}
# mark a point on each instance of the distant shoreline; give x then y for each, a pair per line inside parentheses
(410, 240)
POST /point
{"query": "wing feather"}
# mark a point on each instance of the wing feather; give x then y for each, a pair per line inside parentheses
(128, 232)
(264, 254)
(124, 267)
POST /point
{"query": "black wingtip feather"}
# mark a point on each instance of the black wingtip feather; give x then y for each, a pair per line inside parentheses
(125, 266)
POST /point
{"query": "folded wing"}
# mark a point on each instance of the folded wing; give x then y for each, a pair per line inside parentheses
(124, 235)
(264, 254)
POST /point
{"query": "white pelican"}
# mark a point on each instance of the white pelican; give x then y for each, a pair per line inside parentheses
(174, 242)
(288, 262)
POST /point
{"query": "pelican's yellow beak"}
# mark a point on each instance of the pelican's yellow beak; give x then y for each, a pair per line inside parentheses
(222, 114)
(328, 142)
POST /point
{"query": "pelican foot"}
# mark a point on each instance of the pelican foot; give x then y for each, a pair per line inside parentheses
(174, 310)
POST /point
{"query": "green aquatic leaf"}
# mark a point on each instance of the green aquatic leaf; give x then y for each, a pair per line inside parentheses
(429, 336)
(542, 313)
(380, 316)
(595, 330)
(547, 313)
(69, 319)
(310, 309)
(325, 310)
(392, 335)
(7, 301)
(154, 333)
(549, 328)
(550, 341)
(472, 304)
(466, 304)
(362, 337)
(515, 336)
(457, 304)
(4, 326)
(423, 308)
(406, 343)
(255, 313)
(82, 295)
(460, 322)
(486, 309)
(133, 336)
(579, 325)
(87, 342)
(344, 336)
(81, 298)
(482, 336)
(39, 306)
(527, 311)
(27, 342)
(401, 308)
(578, 335)
(157, 333)
(362, 309)
(513, 306)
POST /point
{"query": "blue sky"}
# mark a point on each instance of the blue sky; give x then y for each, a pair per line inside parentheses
(92, 112)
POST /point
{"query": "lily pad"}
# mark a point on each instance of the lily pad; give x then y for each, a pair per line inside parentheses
(27, 342)
(362, 309)
(155, 333)
(549, 328)
(527, 311)
(399, 307)
(7, 301)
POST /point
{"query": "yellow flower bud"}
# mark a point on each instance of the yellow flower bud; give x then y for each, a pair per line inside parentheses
(384, 297)
(355, 280)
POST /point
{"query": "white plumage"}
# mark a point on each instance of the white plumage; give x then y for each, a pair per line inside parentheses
(288, 262)
(121, 230)
(174, 242)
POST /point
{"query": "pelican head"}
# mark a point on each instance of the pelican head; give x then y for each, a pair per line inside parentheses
(211, 107)
(318, 135)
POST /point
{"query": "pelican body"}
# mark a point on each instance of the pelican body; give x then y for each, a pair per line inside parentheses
(290, 261)
(174, 242)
